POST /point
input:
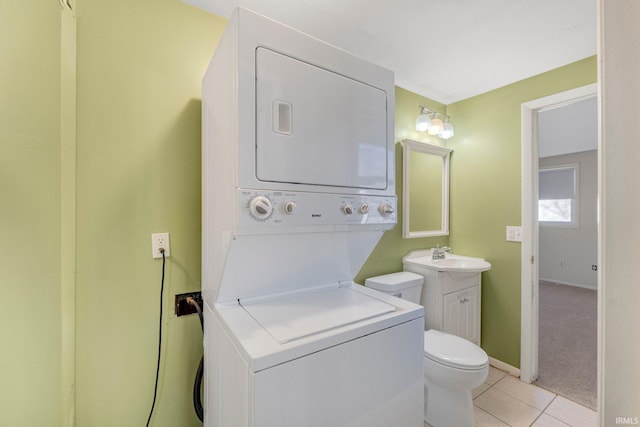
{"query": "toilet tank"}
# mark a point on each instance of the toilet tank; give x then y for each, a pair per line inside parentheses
(404, 284)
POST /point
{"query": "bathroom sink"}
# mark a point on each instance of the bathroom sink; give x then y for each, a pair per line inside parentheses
(469, 265)
(453, 263)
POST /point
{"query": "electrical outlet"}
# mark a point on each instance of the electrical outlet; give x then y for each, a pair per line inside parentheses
(514, 233)
(158, 241)
(183, 307)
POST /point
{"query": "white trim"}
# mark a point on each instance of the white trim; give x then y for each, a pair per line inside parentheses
(409, 145)
(529, 248)
(603, 177)
(529, 255)
(499, 364)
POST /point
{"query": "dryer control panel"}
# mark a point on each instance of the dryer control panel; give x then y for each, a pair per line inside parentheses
(301, 209)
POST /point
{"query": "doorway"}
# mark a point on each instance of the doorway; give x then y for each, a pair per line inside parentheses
(530, 289)
(568, 249)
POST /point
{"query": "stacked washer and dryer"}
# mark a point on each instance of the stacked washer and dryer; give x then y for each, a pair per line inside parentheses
(298, 188)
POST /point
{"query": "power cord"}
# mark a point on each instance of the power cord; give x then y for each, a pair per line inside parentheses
(197, 385)
(155, 388)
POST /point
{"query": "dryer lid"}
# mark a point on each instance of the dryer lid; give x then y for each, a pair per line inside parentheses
(454, 351)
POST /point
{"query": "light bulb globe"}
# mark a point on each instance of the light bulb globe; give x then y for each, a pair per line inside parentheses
(423, 122)
(447, 130)
(436, 126)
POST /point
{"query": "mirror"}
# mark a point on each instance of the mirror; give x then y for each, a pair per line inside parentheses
(425, 193)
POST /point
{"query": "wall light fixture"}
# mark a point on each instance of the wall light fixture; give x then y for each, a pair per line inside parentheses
(434, 123)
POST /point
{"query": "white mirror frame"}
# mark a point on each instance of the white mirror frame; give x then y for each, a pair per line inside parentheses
(409, 145)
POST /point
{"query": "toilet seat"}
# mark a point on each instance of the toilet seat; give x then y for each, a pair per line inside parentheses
(453, 351)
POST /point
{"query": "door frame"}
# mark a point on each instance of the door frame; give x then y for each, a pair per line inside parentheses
(529, 252)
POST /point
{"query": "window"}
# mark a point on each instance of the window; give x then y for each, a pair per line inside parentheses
(558, 195)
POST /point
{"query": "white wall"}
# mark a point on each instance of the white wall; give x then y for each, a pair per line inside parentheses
(619, 297)
(566, 254)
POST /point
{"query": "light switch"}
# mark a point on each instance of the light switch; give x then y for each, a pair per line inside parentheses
(514, 233)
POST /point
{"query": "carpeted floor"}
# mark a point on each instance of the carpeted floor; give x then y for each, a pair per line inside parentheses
(567, 350)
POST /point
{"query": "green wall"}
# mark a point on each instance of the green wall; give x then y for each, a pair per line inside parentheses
(140, 66)
(486, 194)
(100, 150)
(30, 245)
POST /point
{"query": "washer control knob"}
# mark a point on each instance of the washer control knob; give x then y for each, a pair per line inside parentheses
(260, 208)
(347, 209)
(364, 208)
(385, 209)
(289, 208)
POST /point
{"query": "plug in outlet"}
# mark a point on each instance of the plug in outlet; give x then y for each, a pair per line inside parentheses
(158, 241)
(183, 307)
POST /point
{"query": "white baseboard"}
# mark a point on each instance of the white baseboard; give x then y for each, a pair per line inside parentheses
(499, 364)
(577, 285)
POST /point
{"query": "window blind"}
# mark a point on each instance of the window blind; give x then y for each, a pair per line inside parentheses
(557, 184)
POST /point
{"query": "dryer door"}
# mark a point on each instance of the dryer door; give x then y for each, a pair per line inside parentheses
(316, 127)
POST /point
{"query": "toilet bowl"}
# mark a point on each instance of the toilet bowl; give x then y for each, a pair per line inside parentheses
(453, 366)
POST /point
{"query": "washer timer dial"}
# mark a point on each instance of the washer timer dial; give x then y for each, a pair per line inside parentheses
(260, 207)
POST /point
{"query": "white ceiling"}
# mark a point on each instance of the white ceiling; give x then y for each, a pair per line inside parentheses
(444, 50)
(452, 50)
(568, 129)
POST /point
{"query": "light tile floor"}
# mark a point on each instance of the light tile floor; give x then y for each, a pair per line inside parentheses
(504, 401)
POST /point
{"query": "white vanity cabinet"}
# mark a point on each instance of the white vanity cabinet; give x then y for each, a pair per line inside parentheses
(451, 299)
(461, 311)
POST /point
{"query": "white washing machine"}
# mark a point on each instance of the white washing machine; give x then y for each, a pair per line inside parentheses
(298, 188)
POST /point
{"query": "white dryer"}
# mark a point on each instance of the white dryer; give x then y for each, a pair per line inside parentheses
(298, 188)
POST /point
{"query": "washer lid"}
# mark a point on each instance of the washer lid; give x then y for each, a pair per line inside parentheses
(313, 311)
(454, 351)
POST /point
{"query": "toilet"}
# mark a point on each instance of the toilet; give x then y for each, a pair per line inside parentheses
(453, 366)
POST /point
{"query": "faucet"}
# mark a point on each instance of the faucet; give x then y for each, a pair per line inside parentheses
(439, 253)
